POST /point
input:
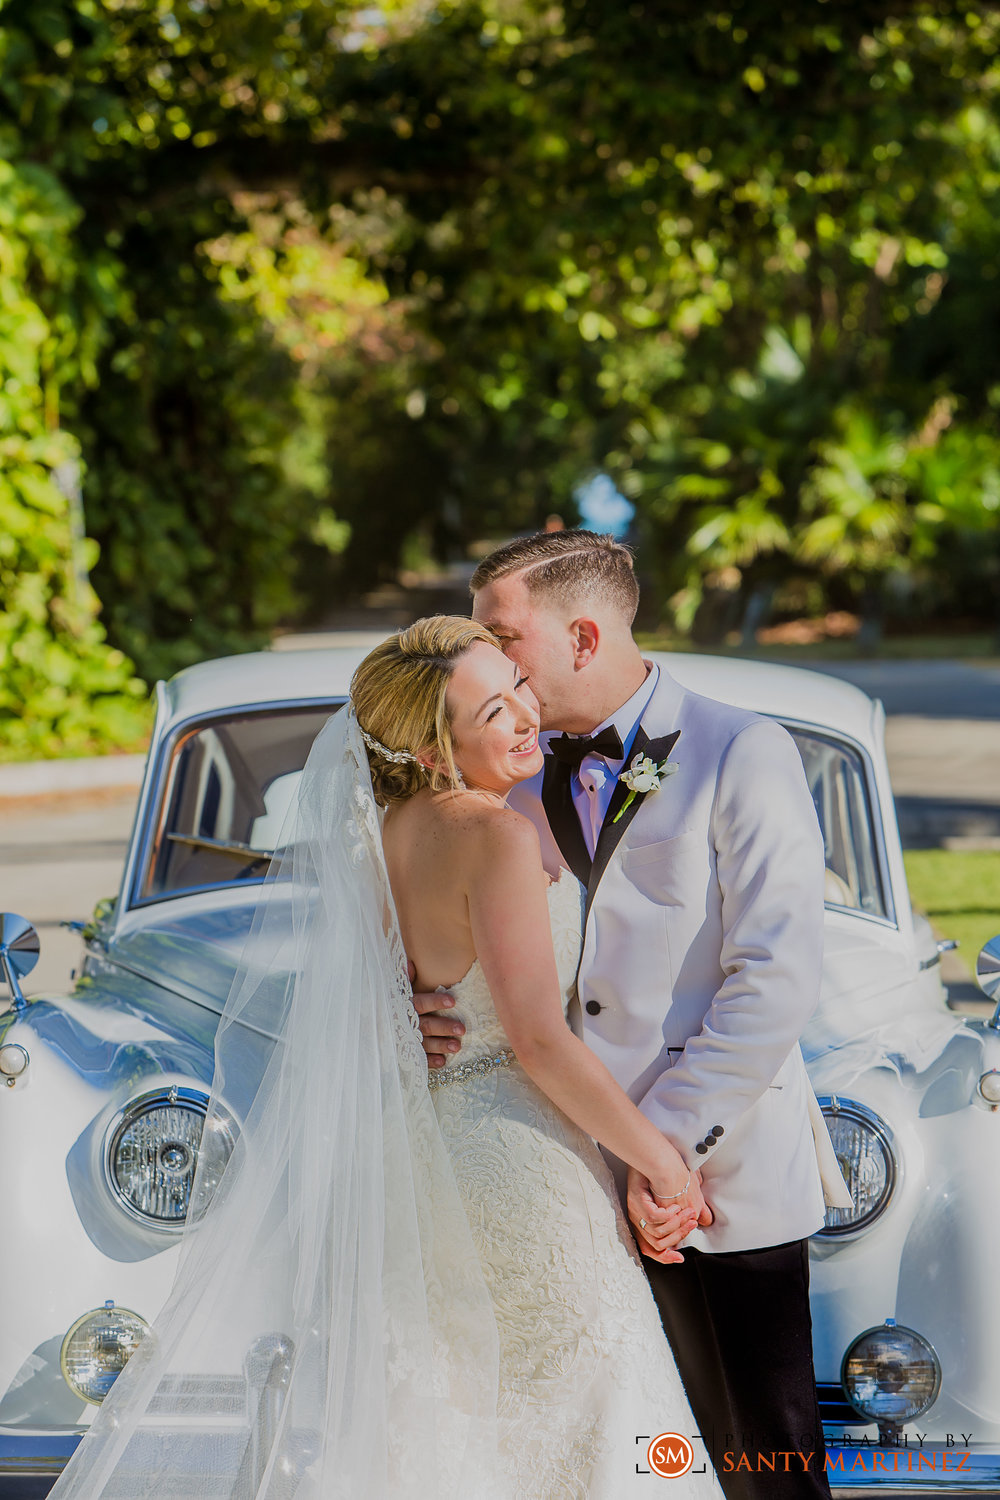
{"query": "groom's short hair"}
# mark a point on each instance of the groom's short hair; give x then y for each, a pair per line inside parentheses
(569, 566)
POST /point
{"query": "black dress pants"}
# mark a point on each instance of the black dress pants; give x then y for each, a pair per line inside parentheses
(740, 1329)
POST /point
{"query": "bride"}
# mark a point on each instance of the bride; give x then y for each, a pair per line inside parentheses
(408, 1284)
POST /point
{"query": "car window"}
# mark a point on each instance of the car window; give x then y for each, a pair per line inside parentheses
(228, 788)
(231, 782)
(836, 777)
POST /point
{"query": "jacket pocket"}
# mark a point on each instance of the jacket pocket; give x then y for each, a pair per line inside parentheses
(673, 871)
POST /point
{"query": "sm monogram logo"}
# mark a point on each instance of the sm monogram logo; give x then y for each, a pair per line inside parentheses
(670, 1455)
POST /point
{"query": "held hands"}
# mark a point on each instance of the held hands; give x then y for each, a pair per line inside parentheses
(667, 1222)
(442, 1034)
(659, 1226)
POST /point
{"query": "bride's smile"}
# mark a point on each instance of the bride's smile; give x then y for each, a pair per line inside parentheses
(494, 720)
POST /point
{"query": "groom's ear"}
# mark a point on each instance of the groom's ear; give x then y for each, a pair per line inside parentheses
(586, 636)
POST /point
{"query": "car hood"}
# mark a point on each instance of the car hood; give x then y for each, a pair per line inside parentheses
(873, 1009)
(873, 1012)
(196, 953)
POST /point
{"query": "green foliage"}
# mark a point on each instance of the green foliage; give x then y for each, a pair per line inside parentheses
(62, 688)
(329, 278)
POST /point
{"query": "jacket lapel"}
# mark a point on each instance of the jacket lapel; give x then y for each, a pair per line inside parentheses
(557, 800)
(611, 832)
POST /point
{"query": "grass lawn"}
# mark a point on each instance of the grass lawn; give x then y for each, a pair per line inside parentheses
(959, 890)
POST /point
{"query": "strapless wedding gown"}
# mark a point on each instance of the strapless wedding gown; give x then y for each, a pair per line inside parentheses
(587, 1377)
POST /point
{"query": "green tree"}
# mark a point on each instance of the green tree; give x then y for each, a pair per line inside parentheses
(62, 687)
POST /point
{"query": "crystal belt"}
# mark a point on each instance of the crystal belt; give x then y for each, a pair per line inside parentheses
(437, 1078)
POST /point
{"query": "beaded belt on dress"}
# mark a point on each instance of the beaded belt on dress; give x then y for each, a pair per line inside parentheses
(482, 1065)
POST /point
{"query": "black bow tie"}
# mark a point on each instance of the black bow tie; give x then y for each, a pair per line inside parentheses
(571, 752)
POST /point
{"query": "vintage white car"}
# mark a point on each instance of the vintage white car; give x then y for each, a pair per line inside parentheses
(103, 1091)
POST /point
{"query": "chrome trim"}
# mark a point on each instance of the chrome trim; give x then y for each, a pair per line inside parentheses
(267, 1369)
(154, 791)
(946, 945)
(246, 884)
(988, 977)
(136, 852)
(890, 918)
(36, 1455)
(894, 1173)
(889, 923)
(19, 949)
(167, 1097)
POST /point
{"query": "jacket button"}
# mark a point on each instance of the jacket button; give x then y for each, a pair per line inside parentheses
(718, 1130)
(701, 1148)
(593, 1008)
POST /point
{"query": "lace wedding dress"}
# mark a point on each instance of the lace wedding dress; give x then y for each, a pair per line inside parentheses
(585, 1369)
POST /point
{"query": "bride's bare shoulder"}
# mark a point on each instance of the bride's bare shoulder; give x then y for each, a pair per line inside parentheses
(461, 831)
(480, 816)
(485, 822)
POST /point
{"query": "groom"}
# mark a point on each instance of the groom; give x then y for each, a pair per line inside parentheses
(700, 969)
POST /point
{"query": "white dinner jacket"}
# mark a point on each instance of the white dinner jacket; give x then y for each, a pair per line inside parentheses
(702, 954)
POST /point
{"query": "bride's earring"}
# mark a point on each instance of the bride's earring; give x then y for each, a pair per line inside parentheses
(460, 777)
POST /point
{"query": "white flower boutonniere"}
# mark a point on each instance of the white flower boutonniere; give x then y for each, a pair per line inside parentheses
(643, 776)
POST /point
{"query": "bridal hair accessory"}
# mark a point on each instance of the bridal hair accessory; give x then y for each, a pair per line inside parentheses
(399, 757)
(643, 776)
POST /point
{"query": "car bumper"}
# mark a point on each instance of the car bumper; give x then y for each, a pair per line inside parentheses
(35, 1454)
(853, 1471)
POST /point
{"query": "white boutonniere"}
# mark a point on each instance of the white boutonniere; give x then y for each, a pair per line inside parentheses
(643, 776)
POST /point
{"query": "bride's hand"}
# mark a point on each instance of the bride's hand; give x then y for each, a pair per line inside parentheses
(657, 1229)
(678, 1187)
(660, 1226)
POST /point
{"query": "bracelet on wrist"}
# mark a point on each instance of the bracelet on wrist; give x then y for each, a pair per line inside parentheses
(666, 1197)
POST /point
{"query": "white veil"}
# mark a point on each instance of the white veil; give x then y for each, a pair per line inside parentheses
(329, 1332)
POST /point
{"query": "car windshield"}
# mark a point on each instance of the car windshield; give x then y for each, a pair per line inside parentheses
(231, 781)
(836, 778)
(228, 787)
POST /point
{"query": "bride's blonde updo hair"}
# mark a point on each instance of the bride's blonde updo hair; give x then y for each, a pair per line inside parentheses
(398, 693)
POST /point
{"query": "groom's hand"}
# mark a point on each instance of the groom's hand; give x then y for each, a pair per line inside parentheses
(442, 1034)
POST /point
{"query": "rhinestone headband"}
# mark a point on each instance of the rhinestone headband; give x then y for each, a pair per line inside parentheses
(398, 757)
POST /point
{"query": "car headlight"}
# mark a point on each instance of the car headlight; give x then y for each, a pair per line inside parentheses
(153, 1148)
(890, 1375)
(98, 1347)
(864, 1146)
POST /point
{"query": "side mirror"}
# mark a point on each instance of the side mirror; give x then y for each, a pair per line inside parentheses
(988, 976)
(18, 954)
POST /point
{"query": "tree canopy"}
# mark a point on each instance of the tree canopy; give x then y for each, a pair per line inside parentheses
(299, 284)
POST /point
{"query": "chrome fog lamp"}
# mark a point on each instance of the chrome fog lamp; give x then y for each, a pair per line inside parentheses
(14, 1060)
(98, 1347)
(153, 1149)
(890, 1375)
(864, 1146)
(989, 1087)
